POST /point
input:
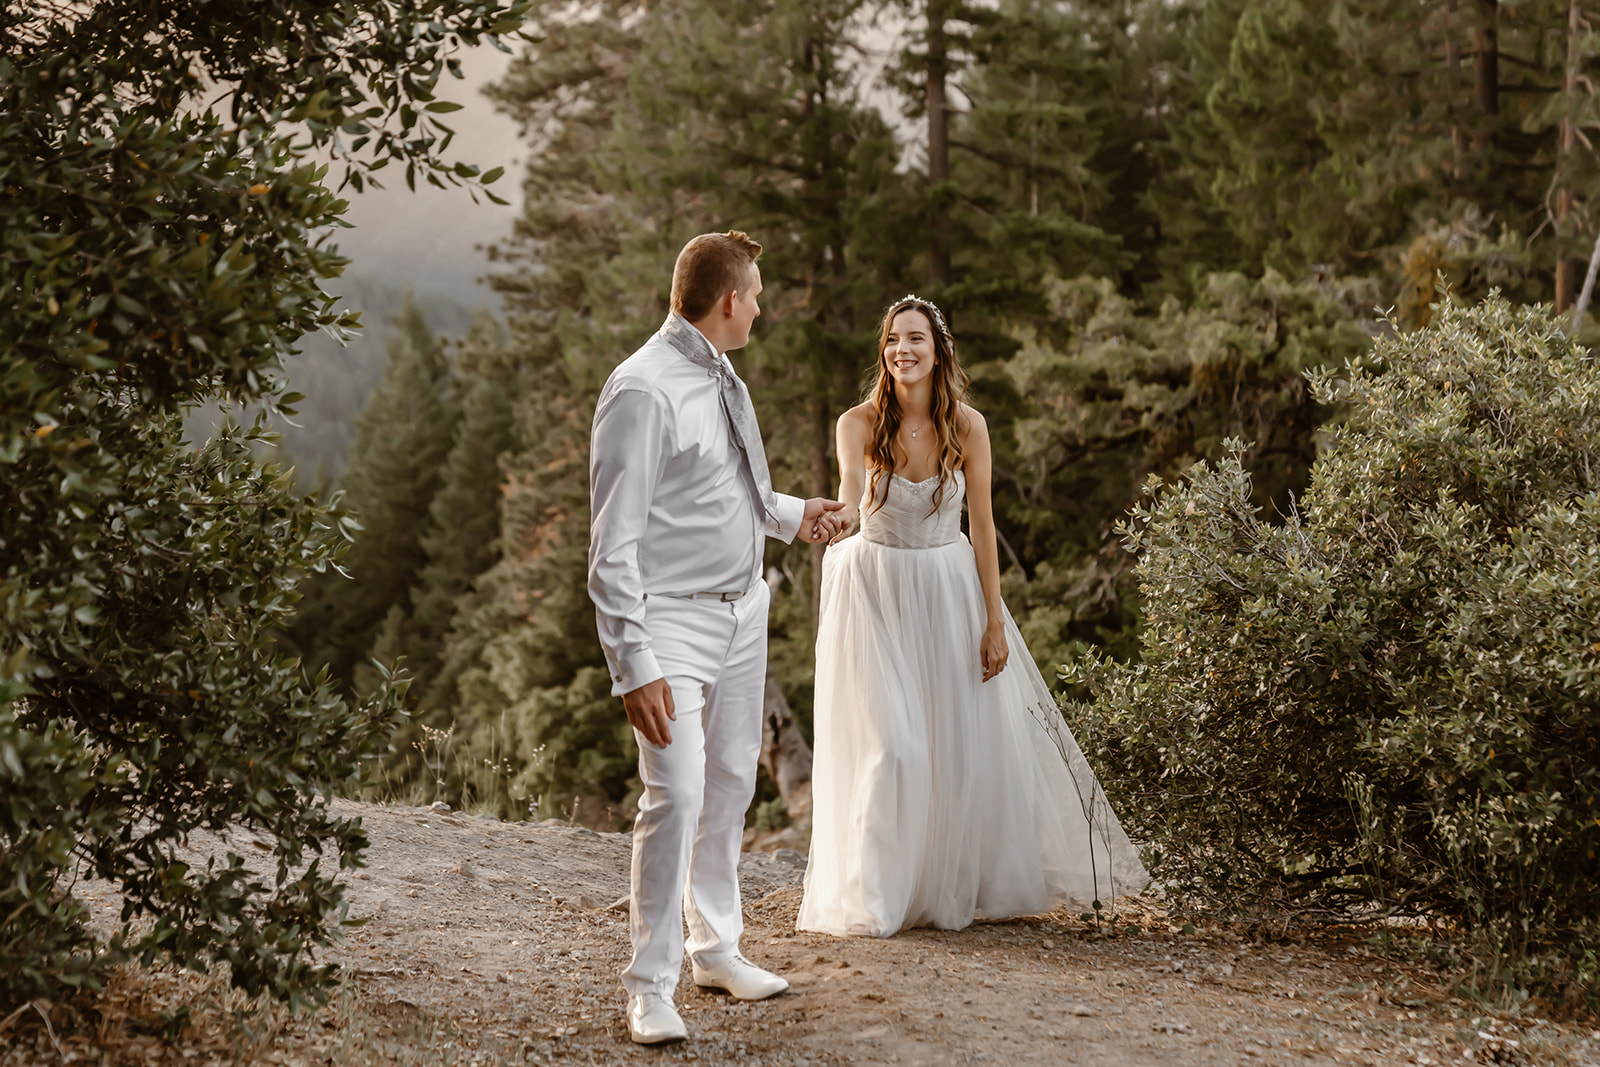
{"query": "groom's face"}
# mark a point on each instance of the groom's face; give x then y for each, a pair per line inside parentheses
(745, 309)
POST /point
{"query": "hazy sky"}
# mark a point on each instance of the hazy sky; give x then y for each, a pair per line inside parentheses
(429, 240)
(431, 236)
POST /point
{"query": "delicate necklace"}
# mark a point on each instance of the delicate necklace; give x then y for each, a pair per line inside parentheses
(919, 429)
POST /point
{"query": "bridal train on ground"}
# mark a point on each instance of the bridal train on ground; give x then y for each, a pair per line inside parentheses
(938, 797)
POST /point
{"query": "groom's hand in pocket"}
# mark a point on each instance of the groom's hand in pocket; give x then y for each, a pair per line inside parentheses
(649, 709)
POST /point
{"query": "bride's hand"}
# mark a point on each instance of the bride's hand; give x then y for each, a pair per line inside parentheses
(848, 520)
(993, 651)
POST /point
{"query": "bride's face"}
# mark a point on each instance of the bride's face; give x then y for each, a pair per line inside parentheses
(908, 350)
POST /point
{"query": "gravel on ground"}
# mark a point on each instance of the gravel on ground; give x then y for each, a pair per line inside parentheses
(490, 942)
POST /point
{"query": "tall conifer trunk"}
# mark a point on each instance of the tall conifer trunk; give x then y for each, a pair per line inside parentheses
(1566, 268)
(1452, 62)
(1486, 64)
(1485, 89)
(938, 141)
(1033, 145)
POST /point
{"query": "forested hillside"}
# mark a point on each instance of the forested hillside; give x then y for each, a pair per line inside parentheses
(337, 375)
(1147, 220)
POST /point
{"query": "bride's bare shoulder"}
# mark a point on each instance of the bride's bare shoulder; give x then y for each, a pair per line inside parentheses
(857, 420)
(970, 423)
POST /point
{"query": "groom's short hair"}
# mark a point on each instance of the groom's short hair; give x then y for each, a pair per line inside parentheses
(709, 266)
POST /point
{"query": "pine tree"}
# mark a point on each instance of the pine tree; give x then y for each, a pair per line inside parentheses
(1114, 396)
(738, 116)
(1338, 133)
(396, 467)
(926, 71)
(1143, 144)
(757, 111)
(1051, 156)
(462, 539)
(1051, 164)
(1044, 84)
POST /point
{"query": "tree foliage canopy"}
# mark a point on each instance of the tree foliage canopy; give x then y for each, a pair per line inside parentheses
(167, 229)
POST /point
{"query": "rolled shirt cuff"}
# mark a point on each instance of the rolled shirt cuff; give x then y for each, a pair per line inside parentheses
(638, 669)
(790, 510)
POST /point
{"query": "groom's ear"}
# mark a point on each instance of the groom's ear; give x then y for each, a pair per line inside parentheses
(727, 302)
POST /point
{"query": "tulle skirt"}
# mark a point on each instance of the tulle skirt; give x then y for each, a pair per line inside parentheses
(938, 797)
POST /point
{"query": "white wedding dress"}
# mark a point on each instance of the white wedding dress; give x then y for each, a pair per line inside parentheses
(938, 797)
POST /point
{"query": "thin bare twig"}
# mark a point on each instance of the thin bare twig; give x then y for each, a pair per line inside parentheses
(1588, 289)
(51, 1030)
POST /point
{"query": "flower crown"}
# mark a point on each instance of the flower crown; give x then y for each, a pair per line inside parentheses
(938, 316)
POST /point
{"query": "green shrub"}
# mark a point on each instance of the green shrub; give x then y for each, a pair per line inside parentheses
(165, 243)
(150, 701)
(1390, 701)
(46, 784)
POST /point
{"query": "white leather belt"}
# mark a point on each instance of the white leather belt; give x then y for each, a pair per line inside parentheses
(724, 597)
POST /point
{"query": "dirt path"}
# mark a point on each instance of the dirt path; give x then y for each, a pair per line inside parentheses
(496, 942)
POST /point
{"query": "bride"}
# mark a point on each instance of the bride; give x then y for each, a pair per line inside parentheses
(945, 785)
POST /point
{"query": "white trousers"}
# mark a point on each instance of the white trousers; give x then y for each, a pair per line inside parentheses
(687, 836)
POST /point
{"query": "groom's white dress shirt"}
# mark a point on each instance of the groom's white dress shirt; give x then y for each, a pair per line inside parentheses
(675, 508)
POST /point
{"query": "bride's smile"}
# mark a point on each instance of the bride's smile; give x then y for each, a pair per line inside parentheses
(908, 349)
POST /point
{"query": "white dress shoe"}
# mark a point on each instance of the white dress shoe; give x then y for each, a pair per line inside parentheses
(740, 977)
(652, 1020)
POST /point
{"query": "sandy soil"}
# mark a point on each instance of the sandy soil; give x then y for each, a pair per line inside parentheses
(493, 942)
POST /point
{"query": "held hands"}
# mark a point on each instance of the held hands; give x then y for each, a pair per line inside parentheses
(821, 520)
(993, 650)
(649, 707)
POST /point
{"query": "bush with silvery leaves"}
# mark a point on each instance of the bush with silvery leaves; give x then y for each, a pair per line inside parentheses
(1388, 701)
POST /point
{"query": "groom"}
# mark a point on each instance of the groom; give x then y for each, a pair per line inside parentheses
(682, 502)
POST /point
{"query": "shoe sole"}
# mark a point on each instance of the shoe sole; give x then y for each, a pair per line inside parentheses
(671, 1039)
(735, 996)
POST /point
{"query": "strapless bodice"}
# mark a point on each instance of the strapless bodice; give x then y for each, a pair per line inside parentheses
(906, 519)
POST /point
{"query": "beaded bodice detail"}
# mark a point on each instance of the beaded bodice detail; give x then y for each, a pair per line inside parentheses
(906, 519)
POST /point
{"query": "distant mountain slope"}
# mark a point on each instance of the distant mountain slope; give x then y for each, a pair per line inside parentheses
(336, 378)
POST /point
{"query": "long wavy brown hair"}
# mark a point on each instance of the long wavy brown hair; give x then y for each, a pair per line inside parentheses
(949, 390)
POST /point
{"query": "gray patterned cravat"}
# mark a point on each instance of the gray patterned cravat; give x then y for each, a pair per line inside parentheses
(735, 403)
